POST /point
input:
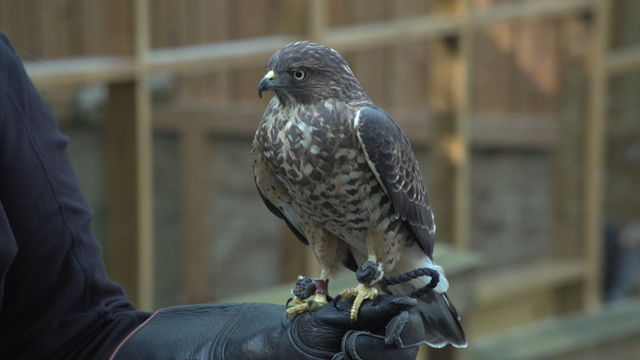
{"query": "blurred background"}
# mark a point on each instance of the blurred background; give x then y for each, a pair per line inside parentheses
(524, 114)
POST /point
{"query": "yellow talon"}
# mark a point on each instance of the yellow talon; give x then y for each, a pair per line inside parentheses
(301, 306)
(362, 292)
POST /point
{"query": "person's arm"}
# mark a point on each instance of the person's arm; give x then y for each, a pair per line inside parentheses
(56, 301)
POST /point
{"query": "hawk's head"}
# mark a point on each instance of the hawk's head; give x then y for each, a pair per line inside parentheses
(303, 72)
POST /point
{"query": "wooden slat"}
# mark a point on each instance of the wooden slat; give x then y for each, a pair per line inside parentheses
(78, 71)
(463, 80)
(378, 34)
(196, 242)
(457, 263)
(441, 103)
(143, 155)
(558, 338)
(317, 20)
(514, 10)
(518, 311)
(431, 26)
(567, 181)
(623, 60)
(502, 286)
(514, 132)
(122, 197)
(595, 146)
(256, 51)
(129, 173)
(220, 56)
(486, 131)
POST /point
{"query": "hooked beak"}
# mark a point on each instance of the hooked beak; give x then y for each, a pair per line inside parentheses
(267, 83)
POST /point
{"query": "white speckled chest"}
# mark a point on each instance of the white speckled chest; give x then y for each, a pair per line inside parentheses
(314, 151)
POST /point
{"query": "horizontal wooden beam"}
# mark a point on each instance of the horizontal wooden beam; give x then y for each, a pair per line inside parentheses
(529, 9)
(461, 267)
(567, 337)
(241, 120)
(375, 35)
(502, 286)
(623, 60)
(242, 53)
(219, 56)
(184, 60)
(514, 131)
(79, 71)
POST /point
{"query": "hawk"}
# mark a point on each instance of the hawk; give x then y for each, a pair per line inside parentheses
(343, 176)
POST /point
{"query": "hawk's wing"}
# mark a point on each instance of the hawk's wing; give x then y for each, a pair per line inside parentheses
(391, 158)
(274, 194)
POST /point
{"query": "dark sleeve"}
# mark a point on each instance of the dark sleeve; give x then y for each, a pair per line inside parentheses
(56, 301)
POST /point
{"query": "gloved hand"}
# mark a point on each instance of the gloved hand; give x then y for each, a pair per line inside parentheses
(384, 330)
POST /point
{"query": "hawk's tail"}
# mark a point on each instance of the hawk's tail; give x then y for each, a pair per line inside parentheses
(440, 318)
(441, 321)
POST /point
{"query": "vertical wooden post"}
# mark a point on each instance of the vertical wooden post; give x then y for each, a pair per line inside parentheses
(317, 20)
(199, 287)
(122, 199)
(461, 149)
(450, 99)
(144, 154)
(568, 190)
(567, 160)
(439, 170)
(129, 174)
(594, 155)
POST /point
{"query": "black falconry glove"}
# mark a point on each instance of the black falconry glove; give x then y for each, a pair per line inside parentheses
(386, 329)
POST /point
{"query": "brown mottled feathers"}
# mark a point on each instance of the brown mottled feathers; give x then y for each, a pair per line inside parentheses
(274, 195)
(343, 176)
(391, 157)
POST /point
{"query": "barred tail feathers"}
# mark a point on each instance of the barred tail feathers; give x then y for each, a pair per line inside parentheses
(439, 315)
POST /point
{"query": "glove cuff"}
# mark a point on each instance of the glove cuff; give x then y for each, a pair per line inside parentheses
(195, 331)
(113, 356)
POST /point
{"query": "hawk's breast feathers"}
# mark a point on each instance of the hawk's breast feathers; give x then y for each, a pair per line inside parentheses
(347, 166)
(344, 177)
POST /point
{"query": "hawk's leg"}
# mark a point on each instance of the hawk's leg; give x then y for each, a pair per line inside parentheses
(305, 288)
(303, 300)
(368, 274)
(325, 247)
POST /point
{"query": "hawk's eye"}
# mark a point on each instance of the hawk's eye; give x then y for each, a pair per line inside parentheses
(299, 74)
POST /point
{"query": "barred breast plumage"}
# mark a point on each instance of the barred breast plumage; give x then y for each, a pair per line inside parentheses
(328, 176)
(342, 175)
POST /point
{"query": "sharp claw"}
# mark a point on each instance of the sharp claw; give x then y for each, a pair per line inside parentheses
(337, 298)
(288, 301)
(309, 303)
